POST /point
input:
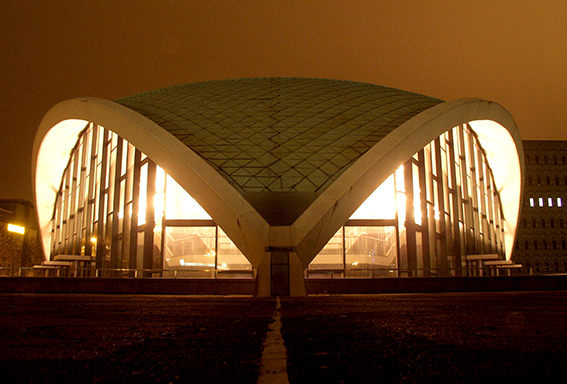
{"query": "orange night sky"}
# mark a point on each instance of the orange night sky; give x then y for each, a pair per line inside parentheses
(511, 52)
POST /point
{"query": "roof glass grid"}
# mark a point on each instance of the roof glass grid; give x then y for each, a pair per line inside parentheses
(317, 126)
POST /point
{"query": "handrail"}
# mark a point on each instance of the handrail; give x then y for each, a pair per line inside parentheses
(404, 272)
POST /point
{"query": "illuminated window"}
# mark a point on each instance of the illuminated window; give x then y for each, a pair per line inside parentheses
(559, 202)
(118, 184)
(550, 202)
(370, 246)
(446, 176)
(532, 202)
(376, 206)
(229, 256)
(180, 205)
(541, 201)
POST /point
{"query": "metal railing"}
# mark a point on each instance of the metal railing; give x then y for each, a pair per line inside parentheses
(339, 273)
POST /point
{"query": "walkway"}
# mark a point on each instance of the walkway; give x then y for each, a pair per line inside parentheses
(485, 337)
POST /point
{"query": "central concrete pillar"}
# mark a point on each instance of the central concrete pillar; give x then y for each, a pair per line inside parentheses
(280, 273)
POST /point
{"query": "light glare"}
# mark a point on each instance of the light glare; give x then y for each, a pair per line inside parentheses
(16, 229)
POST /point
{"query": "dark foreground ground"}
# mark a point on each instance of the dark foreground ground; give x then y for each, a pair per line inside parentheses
(472, 337)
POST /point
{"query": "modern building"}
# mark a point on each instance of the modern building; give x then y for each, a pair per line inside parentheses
(278, 178)
(541, 244)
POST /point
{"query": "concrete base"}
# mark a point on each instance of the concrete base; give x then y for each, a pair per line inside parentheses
(314, 286)
(127, 286)
(437, 284)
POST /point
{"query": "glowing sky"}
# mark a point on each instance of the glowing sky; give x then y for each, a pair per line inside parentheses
(511, 52)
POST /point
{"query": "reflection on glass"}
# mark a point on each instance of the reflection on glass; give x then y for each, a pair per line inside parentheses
(370, 247)
(229, 256)
(331, 256)
(189, 249)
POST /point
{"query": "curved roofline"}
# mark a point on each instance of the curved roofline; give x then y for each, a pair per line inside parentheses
(497, 133)
(58, 133)
(60, 127)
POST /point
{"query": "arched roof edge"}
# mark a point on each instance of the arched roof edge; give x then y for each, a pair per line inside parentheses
(247, 229)
(334, 206)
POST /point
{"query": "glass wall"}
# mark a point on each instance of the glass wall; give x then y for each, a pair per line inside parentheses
(116, 205)
(425, 219)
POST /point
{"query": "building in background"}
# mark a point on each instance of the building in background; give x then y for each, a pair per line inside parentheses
(278, 176)
(19, 245)
(541, 243)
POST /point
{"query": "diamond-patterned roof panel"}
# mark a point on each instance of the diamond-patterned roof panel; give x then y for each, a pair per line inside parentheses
(279, 134)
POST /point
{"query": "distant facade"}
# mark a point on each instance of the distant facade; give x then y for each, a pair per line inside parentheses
(278, 178)
(541, 243)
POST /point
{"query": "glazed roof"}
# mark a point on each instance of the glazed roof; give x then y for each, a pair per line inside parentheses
(279, 134)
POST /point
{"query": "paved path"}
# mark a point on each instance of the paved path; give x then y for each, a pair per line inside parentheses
(487, 337)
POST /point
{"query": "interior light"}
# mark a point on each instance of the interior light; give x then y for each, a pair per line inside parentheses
(93, 240)
(16, 229)
(436, 213)
(532, 202)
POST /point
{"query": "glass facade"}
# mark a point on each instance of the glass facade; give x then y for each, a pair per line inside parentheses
(116, 205)
(437, 208)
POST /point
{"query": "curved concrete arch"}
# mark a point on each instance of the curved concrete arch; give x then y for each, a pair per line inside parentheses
(58, 133)
(497, 133)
